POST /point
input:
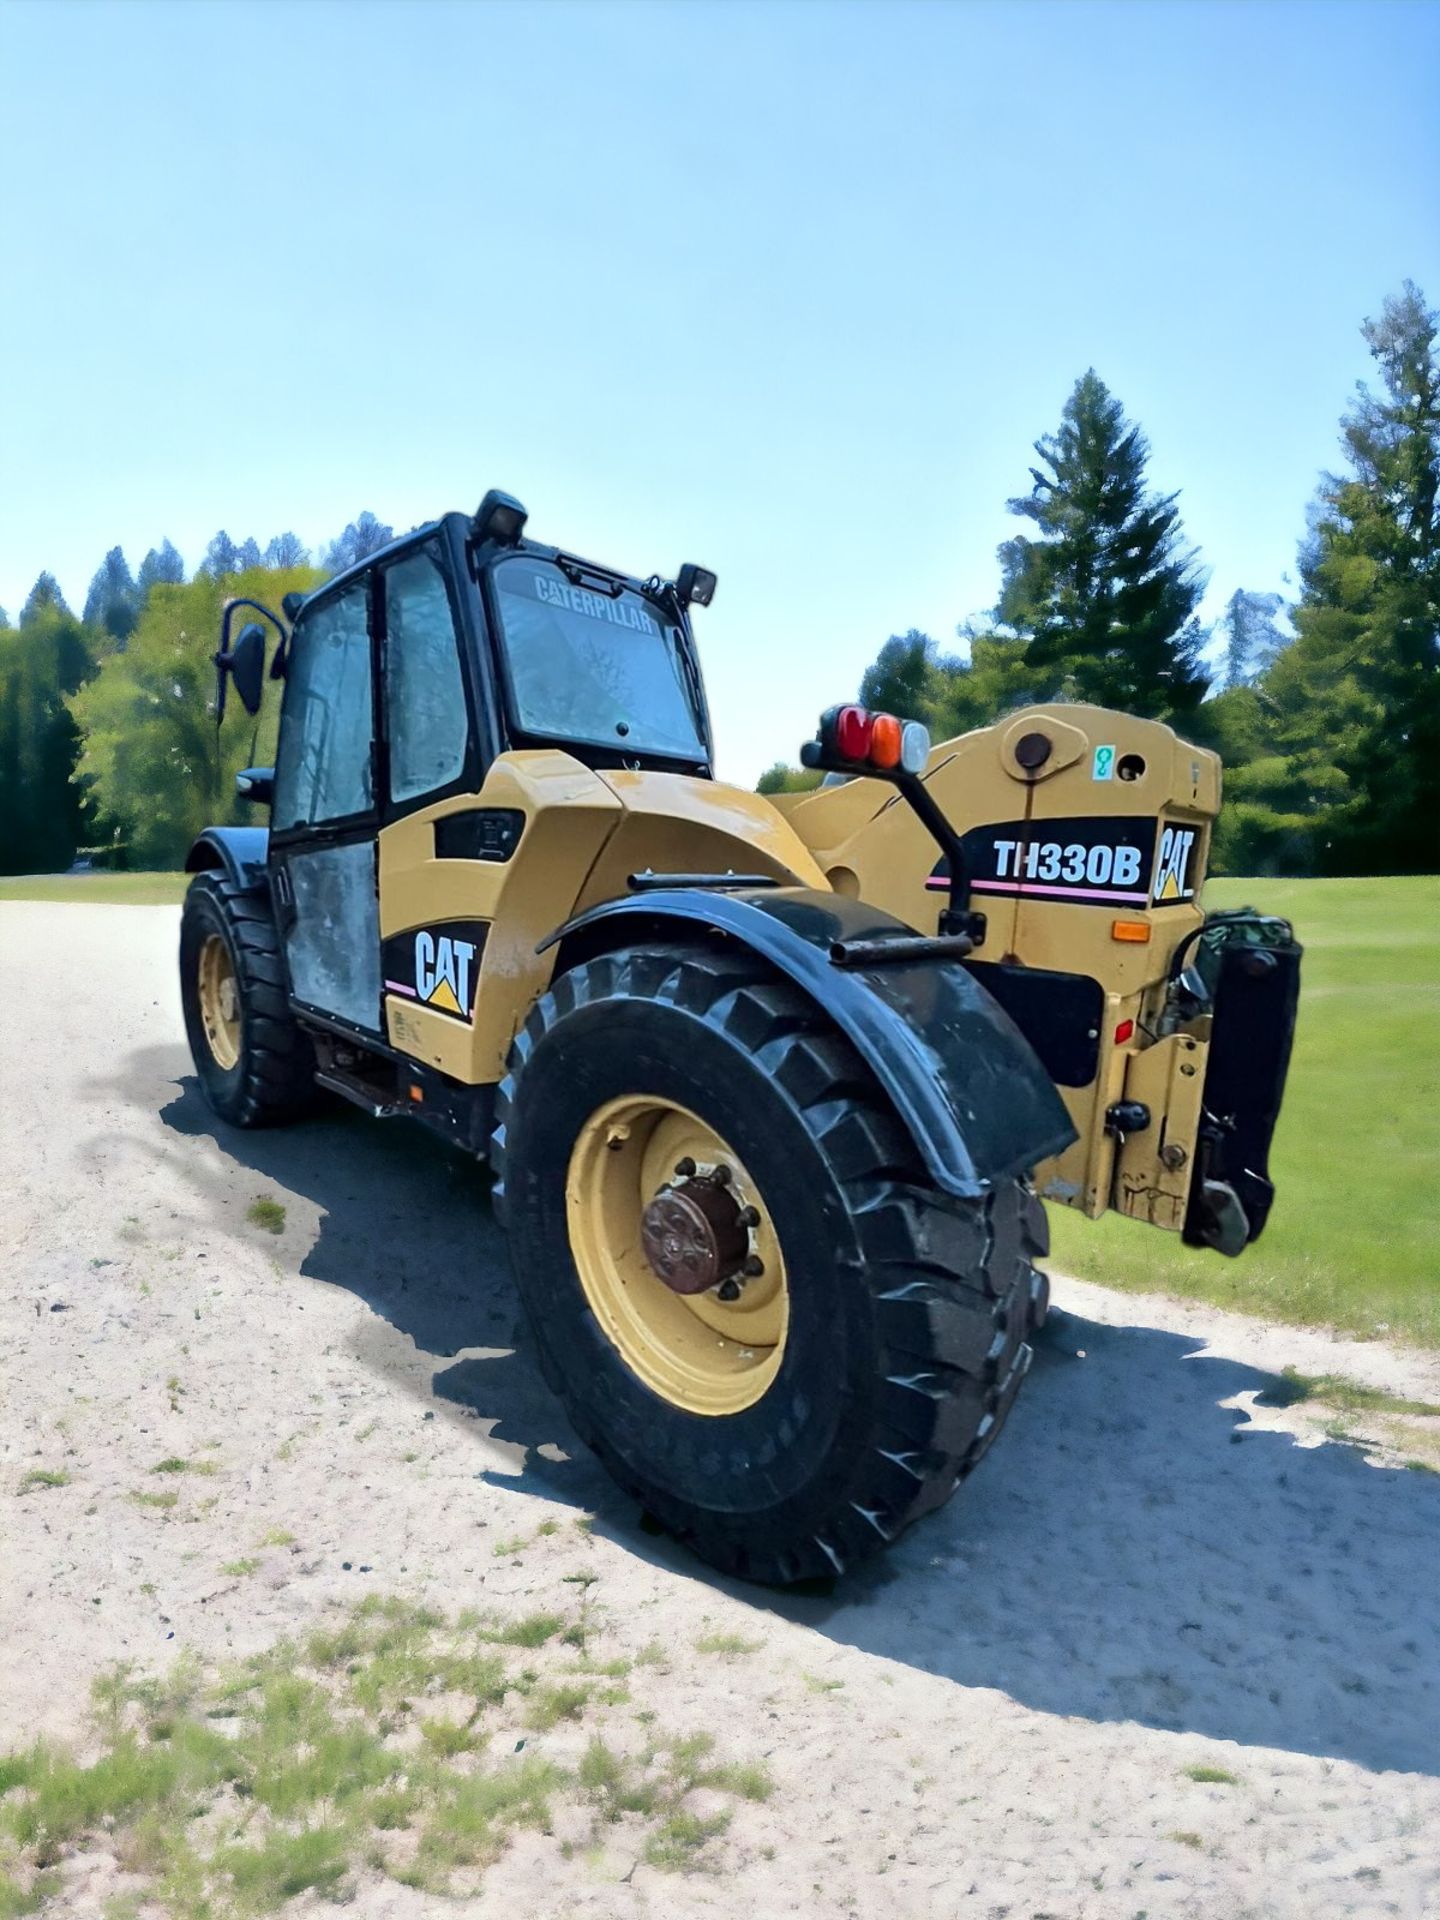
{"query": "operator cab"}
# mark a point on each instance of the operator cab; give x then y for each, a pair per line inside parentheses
(410, 673)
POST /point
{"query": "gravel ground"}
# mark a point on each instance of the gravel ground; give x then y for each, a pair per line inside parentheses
(1150, 1572)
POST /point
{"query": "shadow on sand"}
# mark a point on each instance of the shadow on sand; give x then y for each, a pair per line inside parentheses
(1129, 1552)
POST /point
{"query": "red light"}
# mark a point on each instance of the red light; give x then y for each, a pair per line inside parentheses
(1125, 1031)
(853, 728)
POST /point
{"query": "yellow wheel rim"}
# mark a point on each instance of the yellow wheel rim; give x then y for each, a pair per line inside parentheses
(219, 1003)
(699, 1351)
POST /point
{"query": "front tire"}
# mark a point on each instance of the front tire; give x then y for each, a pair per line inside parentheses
(890, 1363)
(255, 1063)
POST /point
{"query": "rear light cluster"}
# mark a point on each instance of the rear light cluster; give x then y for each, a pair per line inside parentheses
(878, 741)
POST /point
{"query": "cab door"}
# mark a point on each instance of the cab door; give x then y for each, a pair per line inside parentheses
(325, 816)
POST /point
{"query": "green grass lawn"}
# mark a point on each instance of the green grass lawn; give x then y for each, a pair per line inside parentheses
(95, 889)
(1354, 1240)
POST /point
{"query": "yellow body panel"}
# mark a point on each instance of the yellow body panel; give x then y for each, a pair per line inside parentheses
(584, 833)
(870, 844)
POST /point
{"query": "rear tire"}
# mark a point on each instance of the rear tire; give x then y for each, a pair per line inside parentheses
(254, 1061)
(905, 1336)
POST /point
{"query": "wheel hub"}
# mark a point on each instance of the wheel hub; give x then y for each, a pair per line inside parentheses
(677, 1254)
(693, 1235)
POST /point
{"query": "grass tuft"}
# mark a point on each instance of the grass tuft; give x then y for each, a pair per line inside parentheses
(732, 1645)
(677, 1845)
(266, 1214)
(41, 1477)
(1211, 1776)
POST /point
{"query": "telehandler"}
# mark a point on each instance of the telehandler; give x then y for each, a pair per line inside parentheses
(772, 1089)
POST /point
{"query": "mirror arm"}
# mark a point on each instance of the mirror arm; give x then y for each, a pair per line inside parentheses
(222, 657)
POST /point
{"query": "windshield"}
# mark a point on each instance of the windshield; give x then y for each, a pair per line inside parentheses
(605, 669)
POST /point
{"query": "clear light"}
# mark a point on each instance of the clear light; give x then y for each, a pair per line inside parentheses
(914, 746)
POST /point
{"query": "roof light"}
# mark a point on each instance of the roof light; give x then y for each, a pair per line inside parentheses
(695, 585)
(500, 517)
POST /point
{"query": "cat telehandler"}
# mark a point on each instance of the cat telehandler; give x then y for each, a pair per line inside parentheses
(772, 1088)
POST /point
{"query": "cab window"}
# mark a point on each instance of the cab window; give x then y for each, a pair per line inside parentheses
(322, 769)
(424, 692)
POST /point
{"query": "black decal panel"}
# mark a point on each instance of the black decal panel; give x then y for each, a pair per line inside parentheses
(1104, 861)
(436, 966)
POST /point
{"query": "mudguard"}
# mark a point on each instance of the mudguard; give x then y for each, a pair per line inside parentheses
(961, 1076)
(241, 851)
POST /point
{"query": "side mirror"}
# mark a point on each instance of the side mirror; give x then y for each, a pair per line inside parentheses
(247, 666)
(257, 784)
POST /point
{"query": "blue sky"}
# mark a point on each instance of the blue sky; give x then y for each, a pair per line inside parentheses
(785, 289)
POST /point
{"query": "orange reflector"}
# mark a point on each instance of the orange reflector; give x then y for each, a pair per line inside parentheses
(885, 739)
(1125, 1031)
(416, 1093)
(1137, 930)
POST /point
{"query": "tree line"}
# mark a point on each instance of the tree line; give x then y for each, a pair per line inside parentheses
(108, 740)
(1325, 709)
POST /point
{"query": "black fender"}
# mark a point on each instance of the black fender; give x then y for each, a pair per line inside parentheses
(240, 851)
(958, 1071)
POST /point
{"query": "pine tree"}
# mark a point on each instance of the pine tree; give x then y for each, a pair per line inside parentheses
(164, 568)
(113, 601)
(1358, 693)
(43, 596)
(1105, 595)
(363, 536)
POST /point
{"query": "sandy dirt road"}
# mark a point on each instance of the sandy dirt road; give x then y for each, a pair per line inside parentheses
(1147, 1574)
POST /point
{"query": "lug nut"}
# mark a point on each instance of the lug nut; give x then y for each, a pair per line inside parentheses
(753, 1268)
(749, 1216)
(685, 1168)
(728, 1290)
(722, 1175)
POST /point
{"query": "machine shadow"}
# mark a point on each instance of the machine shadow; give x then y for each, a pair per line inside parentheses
(1130, 1551)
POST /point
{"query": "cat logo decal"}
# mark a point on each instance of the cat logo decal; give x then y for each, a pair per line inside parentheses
(437, 966)
(1173, 882)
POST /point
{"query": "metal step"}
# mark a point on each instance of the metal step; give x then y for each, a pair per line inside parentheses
(361, 1094)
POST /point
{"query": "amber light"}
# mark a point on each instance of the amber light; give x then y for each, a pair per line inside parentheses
(1136, 930)
(885, 738)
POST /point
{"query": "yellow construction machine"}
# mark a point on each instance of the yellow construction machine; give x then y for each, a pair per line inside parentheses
(772, 1089)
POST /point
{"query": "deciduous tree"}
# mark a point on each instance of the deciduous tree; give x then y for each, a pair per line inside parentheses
(364, 536)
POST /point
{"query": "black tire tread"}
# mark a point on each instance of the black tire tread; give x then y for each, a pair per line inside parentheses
(954, 1286)
(276, 1076)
